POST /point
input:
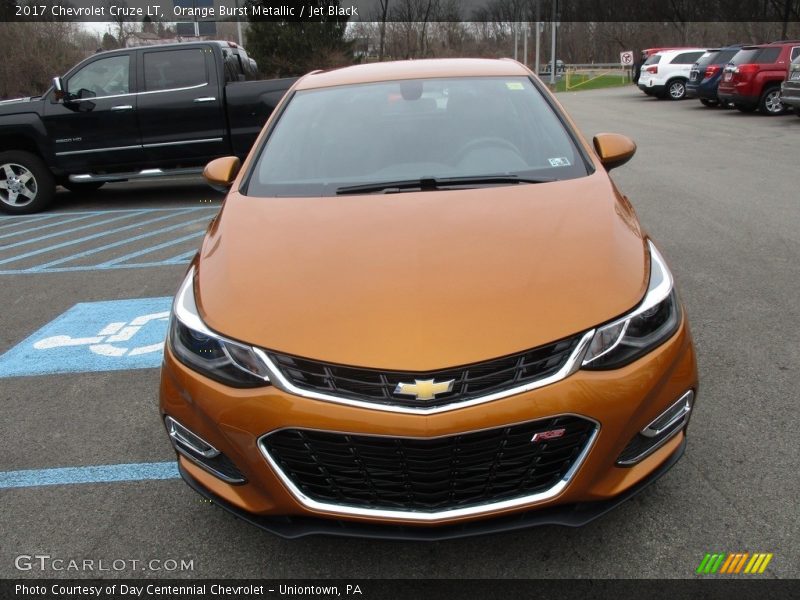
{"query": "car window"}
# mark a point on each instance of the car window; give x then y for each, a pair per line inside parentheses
(392, 131)
(768, 56)
(105, 77)
(653, 60)
(686, 58)
(795, 53)
(171, 69)
(745, 56)
(724, 56)
(708, 58)
(233, 68)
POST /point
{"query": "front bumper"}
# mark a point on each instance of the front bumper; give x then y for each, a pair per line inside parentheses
(622, 401)
(573, 515)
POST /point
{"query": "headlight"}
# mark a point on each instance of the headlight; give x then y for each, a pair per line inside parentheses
(637, 333)
(212, 355)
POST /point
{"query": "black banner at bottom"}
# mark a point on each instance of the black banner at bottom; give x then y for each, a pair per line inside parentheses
(406, 589)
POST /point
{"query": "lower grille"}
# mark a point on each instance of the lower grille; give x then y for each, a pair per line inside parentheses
(428, 474)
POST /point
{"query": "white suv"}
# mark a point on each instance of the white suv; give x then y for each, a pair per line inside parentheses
(665, 73)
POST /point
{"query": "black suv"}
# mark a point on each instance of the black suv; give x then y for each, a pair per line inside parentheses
(706, 73)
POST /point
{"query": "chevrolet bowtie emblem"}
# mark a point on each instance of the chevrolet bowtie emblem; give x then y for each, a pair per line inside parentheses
(425, 389)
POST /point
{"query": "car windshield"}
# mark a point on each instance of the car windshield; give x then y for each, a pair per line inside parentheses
(433, 130)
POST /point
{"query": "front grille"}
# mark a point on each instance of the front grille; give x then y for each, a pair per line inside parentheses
(428, 474)
(469, 382)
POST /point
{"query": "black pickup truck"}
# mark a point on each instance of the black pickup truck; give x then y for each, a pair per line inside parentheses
(132, 113)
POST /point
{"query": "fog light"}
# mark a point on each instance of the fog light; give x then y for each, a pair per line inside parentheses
(661, 429)
(200, 452)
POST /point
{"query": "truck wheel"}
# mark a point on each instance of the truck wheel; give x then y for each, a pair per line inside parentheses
(83, 187)
(26, 184)
(770, 103)
(676, 89)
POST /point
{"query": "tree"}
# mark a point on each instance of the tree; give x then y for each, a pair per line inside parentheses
(109, 42)
(289, 48)
(148, 26)
(7, 9)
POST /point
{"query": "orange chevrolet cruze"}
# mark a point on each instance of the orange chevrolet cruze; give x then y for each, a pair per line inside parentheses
(425, 311)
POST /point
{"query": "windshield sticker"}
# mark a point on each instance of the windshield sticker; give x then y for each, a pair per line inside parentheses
(515, 85)
(561, 161)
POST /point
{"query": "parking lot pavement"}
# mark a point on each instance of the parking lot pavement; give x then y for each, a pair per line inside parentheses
(715, 189)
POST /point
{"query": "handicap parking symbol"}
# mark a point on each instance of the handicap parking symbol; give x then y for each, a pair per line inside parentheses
(94, 336)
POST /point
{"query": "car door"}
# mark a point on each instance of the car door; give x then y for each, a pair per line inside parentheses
(94, 127)
(180, 105)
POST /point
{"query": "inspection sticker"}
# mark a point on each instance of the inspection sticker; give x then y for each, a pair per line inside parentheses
(560, 161)
(515, 85)
(94, 336)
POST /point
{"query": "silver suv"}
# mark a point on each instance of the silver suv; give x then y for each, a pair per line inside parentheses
(790, 89)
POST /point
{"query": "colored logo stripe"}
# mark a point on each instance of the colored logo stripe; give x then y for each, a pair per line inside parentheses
(733, 563)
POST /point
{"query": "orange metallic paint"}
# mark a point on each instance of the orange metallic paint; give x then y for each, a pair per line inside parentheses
(420, 281)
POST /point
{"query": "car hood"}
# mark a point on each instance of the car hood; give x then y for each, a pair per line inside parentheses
(422, 281)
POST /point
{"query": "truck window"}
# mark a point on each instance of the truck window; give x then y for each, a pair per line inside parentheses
(172, 69)
(103, 77)
(233, 69)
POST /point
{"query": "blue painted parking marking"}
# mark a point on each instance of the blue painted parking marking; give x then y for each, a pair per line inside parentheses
(90, 474)
(103, 239)
(94, 336)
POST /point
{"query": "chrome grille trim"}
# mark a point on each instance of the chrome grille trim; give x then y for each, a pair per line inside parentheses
(430, 517)
(571, 365)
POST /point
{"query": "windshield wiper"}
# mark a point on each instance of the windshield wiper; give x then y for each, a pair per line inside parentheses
(436, 183)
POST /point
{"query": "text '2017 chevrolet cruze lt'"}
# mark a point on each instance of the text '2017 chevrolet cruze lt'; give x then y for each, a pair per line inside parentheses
(424, 311)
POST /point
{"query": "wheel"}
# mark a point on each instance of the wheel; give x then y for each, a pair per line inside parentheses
(709, 103)
(770, 103)
(26, 184)
(676, 89)
(83, 187)
(745, 108)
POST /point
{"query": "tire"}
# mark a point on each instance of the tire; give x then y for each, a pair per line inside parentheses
(83, 187)
(26, 184)
(709, 103)
(770, 103)
(676, 89)
(745, 108)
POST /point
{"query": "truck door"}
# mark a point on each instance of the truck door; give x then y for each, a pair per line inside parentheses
(180, 106)
(96, 125)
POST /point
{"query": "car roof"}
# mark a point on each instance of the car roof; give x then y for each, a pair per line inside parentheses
(681, 51)
(413, 69)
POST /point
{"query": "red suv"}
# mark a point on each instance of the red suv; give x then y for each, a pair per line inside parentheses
(752, 80)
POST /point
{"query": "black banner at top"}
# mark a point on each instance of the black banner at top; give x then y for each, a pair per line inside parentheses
(680, 11)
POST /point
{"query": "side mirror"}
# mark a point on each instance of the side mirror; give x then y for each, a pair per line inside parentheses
(614, 149)
(221, 172)
(60, 89)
